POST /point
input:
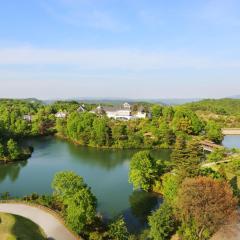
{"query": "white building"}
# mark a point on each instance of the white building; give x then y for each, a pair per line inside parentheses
(140, 114)
(123, 112)
(61, 115)
(27, 117)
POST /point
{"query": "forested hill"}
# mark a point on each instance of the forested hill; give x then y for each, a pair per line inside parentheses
(226, 106)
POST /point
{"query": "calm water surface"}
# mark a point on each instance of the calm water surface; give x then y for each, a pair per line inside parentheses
(232, 141)
(106, 171)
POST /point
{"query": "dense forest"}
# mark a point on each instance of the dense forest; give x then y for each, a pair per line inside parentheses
(226, 106)
(24, 118)
(225, 112)
(159, 131)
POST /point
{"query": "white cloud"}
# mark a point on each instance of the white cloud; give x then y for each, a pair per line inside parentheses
(113, 59)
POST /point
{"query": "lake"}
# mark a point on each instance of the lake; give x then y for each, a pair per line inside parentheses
(232, 141)
(104, 170)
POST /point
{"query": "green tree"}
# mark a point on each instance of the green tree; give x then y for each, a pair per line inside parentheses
(195, 156)
(101, 136)
(214, 132)
(156, 111)
(209, 172)
(170, 186)
(144, 170)
(168, 114)
(179, 150)
(166, 135)
(187, 121)
(187, 158)
(2, 151)
(81, 210)
(217, 155)
(118, 230)
(119, 132)
(79, 127)
(61, 126)
(13, 149)
(162, 223)
(66, 184)
(80, 203)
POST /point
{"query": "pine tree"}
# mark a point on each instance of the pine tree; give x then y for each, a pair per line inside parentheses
(186, 158)
(179, 152)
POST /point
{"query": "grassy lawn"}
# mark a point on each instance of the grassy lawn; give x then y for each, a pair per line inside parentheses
(13, 227)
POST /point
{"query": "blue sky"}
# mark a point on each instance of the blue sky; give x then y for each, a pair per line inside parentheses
(119, 48)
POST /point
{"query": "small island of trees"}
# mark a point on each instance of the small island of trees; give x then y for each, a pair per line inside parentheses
(10, 151)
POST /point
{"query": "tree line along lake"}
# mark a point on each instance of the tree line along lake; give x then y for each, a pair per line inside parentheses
(105, 170)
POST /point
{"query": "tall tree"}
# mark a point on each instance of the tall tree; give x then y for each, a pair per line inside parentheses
(156, 111)
(187, 121)
(170, 186)
(101, 135)
(186, 158)
(118, 230)
(162, 223)
(81, 210)
(2, 152)
(80, 203)
(13, 149)
(179, 152)
(144, 170)
(214, 132)
(66, 184)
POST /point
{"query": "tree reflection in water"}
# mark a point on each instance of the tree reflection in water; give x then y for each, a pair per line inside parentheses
(104, 158)
(11, 170)
(142, 204)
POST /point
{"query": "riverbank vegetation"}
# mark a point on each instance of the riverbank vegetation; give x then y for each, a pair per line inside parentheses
(10, 151)
(185, 184)
(28, 118)
(73, 199)
(199, 195)
(224, 112)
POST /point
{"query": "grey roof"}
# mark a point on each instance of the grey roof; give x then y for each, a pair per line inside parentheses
(115, 108)
(81, 108)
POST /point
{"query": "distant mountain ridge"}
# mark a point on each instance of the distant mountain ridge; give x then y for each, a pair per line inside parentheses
(115, 101)
(163, 101)
(235, 97)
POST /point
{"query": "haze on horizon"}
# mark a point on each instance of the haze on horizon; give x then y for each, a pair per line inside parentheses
(119, 49)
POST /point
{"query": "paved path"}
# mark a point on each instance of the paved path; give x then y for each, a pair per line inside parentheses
(210, 164)
(52, 227)
(231, 131)
(231, 232)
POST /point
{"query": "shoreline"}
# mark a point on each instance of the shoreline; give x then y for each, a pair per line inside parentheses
(108, 147)
(3, 161)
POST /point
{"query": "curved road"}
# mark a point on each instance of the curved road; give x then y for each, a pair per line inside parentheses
(230, 232)
(51, 226)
